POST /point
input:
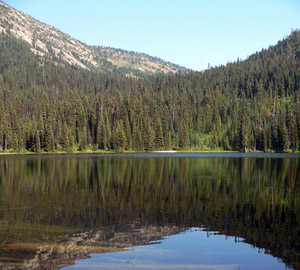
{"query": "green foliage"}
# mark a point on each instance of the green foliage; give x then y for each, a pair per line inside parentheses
(183, 134)
(158, 139)
(64, 137)
(37, 145)
(244, 106)
(120, 139)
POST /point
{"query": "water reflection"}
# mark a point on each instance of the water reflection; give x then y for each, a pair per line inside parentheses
(191, 250)
(55, 209)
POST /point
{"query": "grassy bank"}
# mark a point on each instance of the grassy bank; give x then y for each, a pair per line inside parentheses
(92, 151)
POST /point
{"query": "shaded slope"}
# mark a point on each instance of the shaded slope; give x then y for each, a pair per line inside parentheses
(244, 106)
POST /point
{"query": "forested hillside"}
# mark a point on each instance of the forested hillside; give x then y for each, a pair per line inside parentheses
(47, 41)
(244, 106)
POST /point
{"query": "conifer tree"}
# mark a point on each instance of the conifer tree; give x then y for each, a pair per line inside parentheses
(127, 130)
(2, 123)
(149, 136)
(245, 135)
(120, 140)
(248, 105)
(158, 140)
(64, 137)
(183, 134)
(83, 139)
(37, 145)
(14, 144)
(101, 135)
(137, 142)
(48, 139)
(214, 139)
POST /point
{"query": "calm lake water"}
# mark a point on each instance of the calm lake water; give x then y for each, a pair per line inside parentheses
(150, 211)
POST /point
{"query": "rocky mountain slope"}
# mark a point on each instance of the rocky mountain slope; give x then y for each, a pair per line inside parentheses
(46, 40)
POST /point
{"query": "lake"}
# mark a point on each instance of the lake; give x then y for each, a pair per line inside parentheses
(150, 211)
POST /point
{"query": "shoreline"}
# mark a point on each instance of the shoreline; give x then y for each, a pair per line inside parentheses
(158, 152)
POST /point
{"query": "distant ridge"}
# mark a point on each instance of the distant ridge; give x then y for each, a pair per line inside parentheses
(49, 105)
(46, 40)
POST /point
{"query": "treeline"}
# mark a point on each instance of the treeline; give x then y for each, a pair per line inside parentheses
(244, 106)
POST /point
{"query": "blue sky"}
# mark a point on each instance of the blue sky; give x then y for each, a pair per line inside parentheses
(191, 33)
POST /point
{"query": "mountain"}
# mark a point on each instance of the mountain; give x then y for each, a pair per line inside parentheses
(47, 41)
(251, 105)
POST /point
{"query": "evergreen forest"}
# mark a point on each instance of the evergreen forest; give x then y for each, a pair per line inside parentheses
(250, 105)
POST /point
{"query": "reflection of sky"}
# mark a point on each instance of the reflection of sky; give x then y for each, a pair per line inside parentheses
(190, 250)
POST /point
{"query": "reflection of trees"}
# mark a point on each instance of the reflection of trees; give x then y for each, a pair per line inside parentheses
(256, 199)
